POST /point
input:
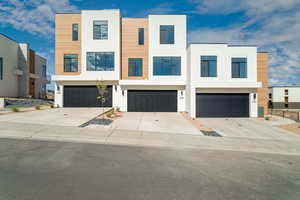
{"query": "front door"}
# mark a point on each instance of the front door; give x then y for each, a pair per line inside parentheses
(31, 87)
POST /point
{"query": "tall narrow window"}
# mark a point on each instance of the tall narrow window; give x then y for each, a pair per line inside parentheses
(166, 66)
(44, 72)
(1, 68)
(208, 66)
(75, 32)
(135, 67)
(100, 61)
(167, 34)
(70, 63)
(100, 30)
(141, 36)
(239, 67)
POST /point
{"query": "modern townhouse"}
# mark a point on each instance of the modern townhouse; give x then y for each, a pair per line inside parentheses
(284, 97)
(148, 67)
(22, 71)
(223, 81)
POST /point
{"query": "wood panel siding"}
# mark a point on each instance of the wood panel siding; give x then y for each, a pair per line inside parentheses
(130, 47)
(262, 76)
(31, 61)
(64, 43)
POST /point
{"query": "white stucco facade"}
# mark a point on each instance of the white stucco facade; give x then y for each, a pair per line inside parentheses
(9, 55)
(223, 82)
(278, 93)
(111, 44)
(176, 49)
(16, 75)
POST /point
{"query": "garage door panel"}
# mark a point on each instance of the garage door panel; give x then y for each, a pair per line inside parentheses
(85, 96)
(152, 101)
(222, 105)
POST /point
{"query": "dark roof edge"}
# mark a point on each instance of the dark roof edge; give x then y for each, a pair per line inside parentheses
(278, 86)
(229, 45)
(206, 43)
(241, 45)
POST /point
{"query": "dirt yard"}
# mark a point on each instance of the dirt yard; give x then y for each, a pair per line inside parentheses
(294, 127)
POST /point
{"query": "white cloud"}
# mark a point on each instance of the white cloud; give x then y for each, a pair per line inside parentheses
(273, 25)
(33, 16)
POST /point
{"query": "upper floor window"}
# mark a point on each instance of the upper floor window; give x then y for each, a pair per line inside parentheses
(1, 68)
(166, 66)
(100, 61)
(74, 32)
(166, 34)
(286, 92)
(208, 66)
(239, 67)
(100, 30)
(135, 67)
(70, 63)
(44, 72)
(141, 36)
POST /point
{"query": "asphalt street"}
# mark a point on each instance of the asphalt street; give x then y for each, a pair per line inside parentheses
(38, 170)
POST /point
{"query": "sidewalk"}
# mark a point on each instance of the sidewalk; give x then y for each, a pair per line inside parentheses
(141, 138)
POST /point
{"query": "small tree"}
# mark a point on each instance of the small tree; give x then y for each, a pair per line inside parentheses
(102, 90)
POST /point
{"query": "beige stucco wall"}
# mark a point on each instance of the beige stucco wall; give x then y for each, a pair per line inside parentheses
(39, 82)
(9, 53)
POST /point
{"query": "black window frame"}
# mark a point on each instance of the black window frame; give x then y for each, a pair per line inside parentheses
(75, 32)
(99, 37)
(169, 39)
(70, 68)
(236, 63)
(206, 73)
(141, 36)
(135, 61)
(97, 64)
(164, 65)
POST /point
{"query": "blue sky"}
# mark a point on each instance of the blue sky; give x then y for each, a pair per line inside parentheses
(272, 25)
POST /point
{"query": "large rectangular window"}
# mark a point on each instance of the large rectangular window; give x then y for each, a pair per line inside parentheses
(100, 30)
(208, 66)
(167, 34)
(239, 68)
(1, 68)
(70, 63)
(141, 36)
(135, 67)
(74, 32)
(100, 61)
(166, 66)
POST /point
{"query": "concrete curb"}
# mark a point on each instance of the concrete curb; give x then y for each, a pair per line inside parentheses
(152, 139)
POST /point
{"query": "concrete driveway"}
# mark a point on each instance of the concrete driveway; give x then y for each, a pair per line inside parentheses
(247, 128)
(57, 116)
(155, 122)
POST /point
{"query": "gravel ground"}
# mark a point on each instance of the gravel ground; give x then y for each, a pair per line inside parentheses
(25, 102)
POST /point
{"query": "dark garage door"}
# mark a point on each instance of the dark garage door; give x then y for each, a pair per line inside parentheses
(152, 101)
(222, 105)
(85, 96)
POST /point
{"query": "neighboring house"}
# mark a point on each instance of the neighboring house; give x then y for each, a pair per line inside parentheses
(22, 71)
(148, 67)
(284, 97)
